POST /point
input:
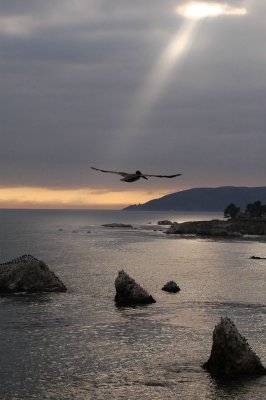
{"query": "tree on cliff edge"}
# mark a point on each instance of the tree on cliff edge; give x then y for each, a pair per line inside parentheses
(231, 211)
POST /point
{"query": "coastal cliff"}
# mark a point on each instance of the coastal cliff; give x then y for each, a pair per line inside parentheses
(203, 199)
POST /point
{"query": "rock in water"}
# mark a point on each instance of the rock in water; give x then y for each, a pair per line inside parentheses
(164, 222)
(28, 274)
(117, 225)
(171, 286)
(129, 293)
(257, 258)
(231, 354)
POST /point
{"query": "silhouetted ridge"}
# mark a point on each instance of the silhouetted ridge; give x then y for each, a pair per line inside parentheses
(204, 199)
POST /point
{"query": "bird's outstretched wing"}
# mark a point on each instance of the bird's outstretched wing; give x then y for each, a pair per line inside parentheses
(163, 176)
(111, 172)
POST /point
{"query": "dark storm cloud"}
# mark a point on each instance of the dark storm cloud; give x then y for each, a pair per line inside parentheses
(71, 70)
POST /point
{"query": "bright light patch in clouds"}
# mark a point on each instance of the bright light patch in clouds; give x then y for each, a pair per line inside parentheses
(198, 10)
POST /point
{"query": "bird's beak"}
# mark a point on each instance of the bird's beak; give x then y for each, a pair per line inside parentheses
(144, 177)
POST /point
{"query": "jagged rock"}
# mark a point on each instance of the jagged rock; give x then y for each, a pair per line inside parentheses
(231, 354)
(129, 293)
(164, 222)
(117, 225)
(28, 274)
(171, 286)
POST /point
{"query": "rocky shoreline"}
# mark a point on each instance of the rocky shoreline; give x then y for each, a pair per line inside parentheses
(219, 228)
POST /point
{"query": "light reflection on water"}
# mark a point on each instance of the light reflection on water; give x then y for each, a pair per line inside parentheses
(79, 345)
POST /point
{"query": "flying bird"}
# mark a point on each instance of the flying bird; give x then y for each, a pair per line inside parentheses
(132, 177)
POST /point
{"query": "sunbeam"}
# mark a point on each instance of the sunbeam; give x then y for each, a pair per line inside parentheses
(194, 13)
(156, 81)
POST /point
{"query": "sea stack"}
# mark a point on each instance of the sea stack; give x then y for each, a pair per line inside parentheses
(28, 274)
(231, 353)
(130, 293)
(171, 287)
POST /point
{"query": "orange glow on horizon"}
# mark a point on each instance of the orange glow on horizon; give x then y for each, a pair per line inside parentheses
(40, 197)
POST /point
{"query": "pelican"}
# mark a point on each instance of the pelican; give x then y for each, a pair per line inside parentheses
(132, 177)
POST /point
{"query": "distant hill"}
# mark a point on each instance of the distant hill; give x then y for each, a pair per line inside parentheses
(204, 199)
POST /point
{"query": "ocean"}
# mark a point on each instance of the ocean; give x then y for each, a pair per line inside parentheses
(80, 345)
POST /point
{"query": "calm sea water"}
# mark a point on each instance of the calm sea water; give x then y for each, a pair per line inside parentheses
(79, 345)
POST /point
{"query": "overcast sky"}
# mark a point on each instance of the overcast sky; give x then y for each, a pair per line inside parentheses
(87, 83)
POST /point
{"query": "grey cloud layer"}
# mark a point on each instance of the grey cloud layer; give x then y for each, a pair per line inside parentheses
(71, 70)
